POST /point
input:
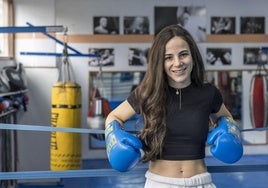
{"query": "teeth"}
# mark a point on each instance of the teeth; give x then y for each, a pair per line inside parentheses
(179, 70)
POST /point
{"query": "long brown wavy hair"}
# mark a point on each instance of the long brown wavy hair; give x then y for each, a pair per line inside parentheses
(152, 90)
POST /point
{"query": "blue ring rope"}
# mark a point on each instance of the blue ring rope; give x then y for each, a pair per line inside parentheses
(48, 128)
(74, 130)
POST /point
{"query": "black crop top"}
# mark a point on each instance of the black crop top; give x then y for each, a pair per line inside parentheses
(187, 120)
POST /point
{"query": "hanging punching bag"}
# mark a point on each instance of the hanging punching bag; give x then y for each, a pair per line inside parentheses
(65, 148)
(65, 112)
(258, 101)
(258, 98)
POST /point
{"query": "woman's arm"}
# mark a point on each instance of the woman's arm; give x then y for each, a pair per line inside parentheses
(222, 112)
(121, 113)
(123, 148)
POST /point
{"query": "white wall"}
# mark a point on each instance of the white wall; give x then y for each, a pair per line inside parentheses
(77, 16)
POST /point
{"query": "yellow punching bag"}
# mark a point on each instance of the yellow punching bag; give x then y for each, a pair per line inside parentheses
(65, 147)
(65, 112)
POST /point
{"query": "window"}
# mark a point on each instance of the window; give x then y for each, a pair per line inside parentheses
(6, 19)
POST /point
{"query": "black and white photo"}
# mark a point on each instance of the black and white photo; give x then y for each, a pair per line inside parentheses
(106, 57)
(106, 25)
(252, 25)
(136, 25)
(137, 56)
(219, 56)
(192, 18)
(251, 56)
(222, 25)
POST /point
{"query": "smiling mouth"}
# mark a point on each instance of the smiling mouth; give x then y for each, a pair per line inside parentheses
(179, 71)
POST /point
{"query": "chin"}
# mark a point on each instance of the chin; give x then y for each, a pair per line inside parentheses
(181, 79)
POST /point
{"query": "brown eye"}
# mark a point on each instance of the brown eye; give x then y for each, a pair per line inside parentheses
(183, 55)
(168, 58)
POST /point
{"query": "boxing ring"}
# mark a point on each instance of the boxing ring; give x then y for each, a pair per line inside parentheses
(140, 169)
(100, 172)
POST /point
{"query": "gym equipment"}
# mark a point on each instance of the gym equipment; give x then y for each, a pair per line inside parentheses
(65, 148)
(258, 98)
(14, 78)
(99, 107)
(76, 52)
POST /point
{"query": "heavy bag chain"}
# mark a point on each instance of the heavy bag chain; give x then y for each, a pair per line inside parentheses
(262, 60)
(66, 73)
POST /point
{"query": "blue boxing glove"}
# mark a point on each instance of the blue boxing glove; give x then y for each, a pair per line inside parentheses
(225, 141)
(123, 148)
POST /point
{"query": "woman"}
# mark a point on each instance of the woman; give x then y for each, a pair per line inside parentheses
(176, 106)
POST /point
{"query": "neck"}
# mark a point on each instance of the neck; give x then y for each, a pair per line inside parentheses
(179, 85)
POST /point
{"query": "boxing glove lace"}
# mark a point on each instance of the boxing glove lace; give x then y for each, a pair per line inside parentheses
(225, 141)
(123, 148)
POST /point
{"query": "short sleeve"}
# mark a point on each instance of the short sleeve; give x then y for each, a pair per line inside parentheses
(133, 101)
(217, 100)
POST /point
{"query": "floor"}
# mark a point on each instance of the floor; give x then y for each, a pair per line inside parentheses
(222, 180)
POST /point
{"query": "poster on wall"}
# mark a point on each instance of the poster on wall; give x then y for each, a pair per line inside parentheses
(222, 25)
(252, 25)
(106, 25)
(255, 56)
(106, 57)
(218, 56)
(251, 56)
(137, 56)
(192, 18)
(138, 25)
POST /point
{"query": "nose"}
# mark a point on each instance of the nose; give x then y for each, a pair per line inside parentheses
(177, 61)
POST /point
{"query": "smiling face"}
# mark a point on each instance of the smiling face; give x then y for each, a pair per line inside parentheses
(178, 63)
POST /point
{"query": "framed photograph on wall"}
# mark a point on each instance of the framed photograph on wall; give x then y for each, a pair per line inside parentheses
(137, 56)
(251, 56)
(222, 25)
(252, 25)
(219, 56)
(137, 25)
(106, 25)
(192, 18)
(106, 59)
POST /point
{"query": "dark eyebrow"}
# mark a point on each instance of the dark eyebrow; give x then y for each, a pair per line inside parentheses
(183, 51)
(168, 54)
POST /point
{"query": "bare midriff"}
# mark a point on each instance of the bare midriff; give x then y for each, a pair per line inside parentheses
(178, 169)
